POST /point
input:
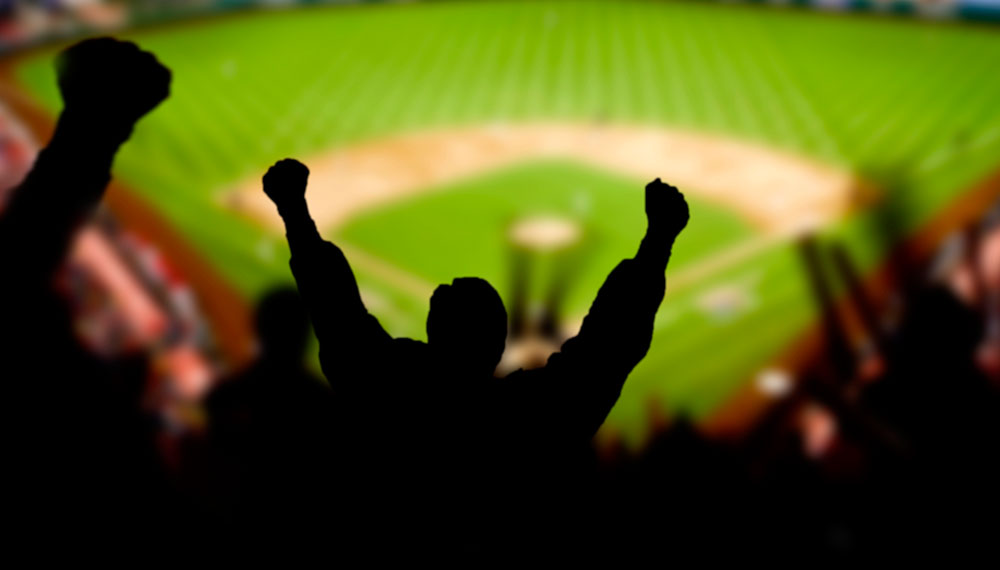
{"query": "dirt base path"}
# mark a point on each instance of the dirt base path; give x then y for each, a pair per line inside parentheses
(778, 192)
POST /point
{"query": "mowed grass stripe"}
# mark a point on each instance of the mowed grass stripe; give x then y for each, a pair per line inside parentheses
(400, 87)
(627, 98)
(734, 88)
(911, 106)
(562, 52)
(352, 120)
(971, 102)
(213, 139)
(536, 69)
(648, 88)
(821, 139)
(664, 48)
(513, 68)
(300, 119)
(319, 128)
(594, 68)
(843, 79)
(371, 74)
(888, 105)
(482, 92)
(602, 66)
(565, 63)
(973, 107)
(324, 81)
(419, 94)
(771, 104)
(238, 127)
(711, 112)
(450, 88)
(784, 106)
(194, 148)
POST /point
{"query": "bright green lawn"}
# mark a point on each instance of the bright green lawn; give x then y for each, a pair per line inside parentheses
(887, 97)
(462, 229)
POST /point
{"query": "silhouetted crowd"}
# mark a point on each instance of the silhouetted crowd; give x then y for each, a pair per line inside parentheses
(412, 450)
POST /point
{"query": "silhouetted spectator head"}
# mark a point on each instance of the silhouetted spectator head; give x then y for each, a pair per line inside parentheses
(468, 322)
(282, 325)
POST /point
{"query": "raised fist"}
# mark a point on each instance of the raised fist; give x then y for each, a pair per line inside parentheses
(666, 209)
(111, 82)
(285, 182)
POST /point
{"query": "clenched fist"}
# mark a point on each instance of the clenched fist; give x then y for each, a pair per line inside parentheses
(285, 183)
(666, 209)
(111, 82)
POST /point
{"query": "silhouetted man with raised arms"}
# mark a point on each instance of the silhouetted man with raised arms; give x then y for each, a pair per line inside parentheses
(466, 325)
(441, 396)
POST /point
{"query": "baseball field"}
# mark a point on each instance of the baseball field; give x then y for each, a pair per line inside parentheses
(433, 128)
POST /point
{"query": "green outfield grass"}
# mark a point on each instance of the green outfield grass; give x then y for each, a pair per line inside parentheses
(909, 104)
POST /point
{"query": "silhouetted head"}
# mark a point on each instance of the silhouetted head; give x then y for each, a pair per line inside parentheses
(282, 325)
(468, 323)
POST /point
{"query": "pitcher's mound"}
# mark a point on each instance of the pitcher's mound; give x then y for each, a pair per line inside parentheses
(545, 233)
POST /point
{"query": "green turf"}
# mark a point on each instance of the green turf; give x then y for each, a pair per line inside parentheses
(910, 104)
(462, 229)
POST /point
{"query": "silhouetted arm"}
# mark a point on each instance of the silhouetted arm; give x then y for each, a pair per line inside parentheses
(585, 378)
(106, 86)
(349, 336)
(63, 187)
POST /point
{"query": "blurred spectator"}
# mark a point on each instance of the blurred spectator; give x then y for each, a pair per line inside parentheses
(17, 152)
(272, 428)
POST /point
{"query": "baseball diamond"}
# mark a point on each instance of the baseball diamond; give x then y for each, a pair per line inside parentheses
(433, 127)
